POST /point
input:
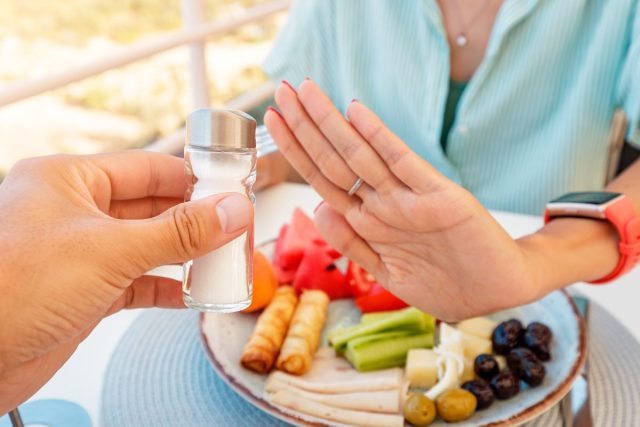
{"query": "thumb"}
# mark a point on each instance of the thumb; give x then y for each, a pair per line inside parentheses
(190, 229)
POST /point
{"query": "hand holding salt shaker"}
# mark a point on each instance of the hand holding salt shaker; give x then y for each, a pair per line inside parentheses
(220, 157)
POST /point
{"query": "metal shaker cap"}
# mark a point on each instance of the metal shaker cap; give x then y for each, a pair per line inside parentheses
(209, 128)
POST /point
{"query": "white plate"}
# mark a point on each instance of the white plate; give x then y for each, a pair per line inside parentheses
(224, 336)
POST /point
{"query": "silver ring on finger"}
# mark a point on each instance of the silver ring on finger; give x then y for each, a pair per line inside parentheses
(355, 187)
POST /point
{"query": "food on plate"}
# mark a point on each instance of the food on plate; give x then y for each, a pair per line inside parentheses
(468, 373)
(526, 366)
(370, 296)
(332, 374)
(265, 283)
(262, 348)
(473, 346)
(482, 391)
(304, 332)
(318, 270)
(486, 366)
(383, 401)
(506, 336)
(419, 410)
(293, 240)
(408, 320)
(537, 338)
(450, 361)
(333, 390)
(421, 368)
(456, 405)
(480, 327)
(384, 350)
(505, 385)
(298, 403)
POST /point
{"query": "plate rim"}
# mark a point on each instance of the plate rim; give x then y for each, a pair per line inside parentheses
(527, 414)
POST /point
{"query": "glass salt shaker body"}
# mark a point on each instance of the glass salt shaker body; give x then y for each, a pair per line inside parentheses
(220, 157)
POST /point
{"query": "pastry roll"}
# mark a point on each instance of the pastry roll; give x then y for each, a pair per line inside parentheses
(304, 333)
(262, 348)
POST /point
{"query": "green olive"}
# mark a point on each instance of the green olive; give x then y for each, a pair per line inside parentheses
(419, 410)
(456, 405)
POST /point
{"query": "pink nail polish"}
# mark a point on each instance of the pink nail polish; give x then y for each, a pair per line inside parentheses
(318, 207)
(290, 87)
(270, 108)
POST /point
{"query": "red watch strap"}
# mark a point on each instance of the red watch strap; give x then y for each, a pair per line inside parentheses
(622, 216)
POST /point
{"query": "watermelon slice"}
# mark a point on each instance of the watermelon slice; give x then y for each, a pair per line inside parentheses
(285, 275)
(319, 271)
(293, 241)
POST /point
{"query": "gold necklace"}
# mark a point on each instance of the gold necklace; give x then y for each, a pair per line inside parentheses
(461, 38)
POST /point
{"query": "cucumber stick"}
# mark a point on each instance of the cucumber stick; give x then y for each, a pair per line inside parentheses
(384, 350)
(409, 319)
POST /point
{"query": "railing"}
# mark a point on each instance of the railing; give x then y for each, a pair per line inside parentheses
(194, 33)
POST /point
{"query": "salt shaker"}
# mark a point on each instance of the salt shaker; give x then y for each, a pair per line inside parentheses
(220, 157)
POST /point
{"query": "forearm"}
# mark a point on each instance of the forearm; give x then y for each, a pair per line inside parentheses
(568, 250)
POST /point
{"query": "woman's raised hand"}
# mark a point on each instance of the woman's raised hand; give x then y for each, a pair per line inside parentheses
(428, 240)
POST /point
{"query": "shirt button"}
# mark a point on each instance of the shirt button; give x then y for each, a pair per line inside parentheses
(463, 129)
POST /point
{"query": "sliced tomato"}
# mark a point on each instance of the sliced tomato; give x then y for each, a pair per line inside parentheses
(379, 299)
(360, 281)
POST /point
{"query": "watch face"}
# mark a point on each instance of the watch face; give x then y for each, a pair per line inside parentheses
(587, 197)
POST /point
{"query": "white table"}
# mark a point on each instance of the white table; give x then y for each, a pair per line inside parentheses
(80, 379)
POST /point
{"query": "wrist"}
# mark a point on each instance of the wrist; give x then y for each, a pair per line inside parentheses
(569, 250)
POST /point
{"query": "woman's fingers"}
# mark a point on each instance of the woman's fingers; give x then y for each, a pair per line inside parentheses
(339, 234)
(412, 170)
(327, 160)
(350, 145)
(300, 160)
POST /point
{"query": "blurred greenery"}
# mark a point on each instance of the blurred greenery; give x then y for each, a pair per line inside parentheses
(75, 22)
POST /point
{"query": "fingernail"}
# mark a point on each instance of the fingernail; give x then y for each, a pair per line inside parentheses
(318, 207)
(270, 108)
(234, 213)
(289, 85)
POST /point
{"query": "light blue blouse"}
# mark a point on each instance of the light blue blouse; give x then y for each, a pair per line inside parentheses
(533, 121)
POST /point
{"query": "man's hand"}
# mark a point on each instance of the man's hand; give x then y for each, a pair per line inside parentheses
(77, 235)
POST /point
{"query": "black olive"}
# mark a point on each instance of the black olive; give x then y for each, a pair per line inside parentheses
(506, 336)
(526, 365)
(486, 366)
(482, 391)
(537, 338)
(505, 385)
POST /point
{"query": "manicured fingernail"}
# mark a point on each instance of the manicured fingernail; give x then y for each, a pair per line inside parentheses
(270, 108)
(318, 207)
(289, 85)
(234, 213)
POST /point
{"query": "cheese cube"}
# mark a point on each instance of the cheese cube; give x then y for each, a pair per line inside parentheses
(481, 327)
(468, 374)
(474, 346)
(421, 369)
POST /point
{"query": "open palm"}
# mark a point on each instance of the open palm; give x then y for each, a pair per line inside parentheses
(428, 240)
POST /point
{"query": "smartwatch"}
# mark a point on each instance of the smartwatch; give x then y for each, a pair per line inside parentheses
(612, 207)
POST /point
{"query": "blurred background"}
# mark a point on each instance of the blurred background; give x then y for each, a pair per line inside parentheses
(87, 76)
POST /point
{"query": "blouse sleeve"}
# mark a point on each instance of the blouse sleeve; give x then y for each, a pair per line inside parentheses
(629, 83)
(305, 47)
